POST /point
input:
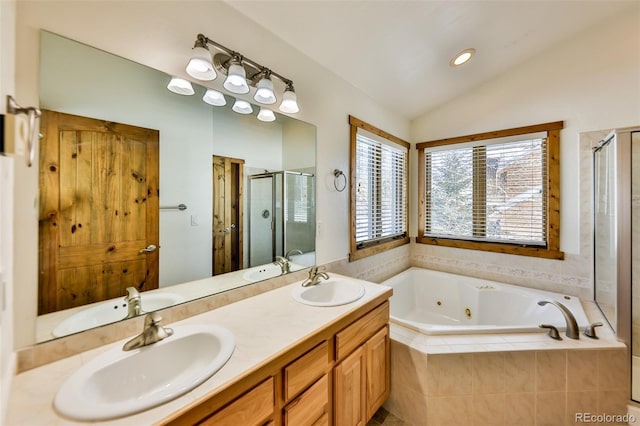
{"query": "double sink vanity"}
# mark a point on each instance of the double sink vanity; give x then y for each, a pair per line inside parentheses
(291, 356)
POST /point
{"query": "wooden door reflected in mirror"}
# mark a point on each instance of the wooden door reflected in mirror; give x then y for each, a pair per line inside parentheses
(98, 210)
(228, 177)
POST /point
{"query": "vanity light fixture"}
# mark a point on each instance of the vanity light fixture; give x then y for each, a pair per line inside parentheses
(289, 100)
(242, 107)
(241, 72)
(215, 98)
(264, 90)
(266, 115)
(236, 81)
(200, 65)
(462, 57)
(180, 86)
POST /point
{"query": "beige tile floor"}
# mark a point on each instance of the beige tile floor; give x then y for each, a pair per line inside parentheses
(384, 418)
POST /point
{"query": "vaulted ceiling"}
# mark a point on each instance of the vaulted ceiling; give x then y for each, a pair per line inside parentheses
(398, 52)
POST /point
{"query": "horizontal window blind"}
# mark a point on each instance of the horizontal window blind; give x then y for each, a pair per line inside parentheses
(487, 192)
(381, 190)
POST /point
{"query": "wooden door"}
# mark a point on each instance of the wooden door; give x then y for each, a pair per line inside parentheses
(378, 370)
(98, 209)
(228, 176)
(349, 390)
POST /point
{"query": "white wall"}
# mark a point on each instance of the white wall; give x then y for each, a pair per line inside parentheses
(7, 209)
(161, 36)
(592, 82)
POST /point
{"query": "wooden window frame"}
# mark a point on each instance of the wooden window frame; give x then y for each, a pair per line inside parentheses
(356, 253)
(552, 248)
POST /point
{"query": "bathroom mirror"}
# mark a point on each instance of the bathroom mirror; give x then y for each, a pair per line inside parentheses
(271, 165)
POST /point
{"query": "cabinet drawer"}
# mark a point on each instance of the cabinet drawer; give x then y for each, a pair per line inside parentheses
(305, 370)
(310, 407)
(252, 408)
(358, 332)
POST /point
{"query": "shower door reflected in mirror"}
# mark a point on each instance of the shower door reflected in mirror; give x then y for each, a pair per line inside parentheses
(281, 217)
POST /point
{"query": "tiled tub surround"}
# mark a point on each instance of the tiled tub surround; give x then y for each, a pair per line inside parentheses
(506, 379)
(264, 327)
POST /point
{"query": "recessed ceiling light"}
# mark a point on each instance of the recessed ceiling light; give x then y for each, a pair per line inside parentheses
(462, 57)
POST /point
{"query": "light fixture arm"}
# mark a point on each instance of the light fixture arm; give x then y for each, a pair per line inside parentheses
(203, 41)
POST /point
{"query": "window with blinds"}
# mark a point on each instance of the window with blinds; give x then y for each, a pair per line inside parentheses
(379, 195)
(488, 192)
(497, 191)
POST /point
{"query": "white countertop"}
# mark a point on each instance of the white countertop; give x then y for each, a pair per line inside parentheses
(264, 326)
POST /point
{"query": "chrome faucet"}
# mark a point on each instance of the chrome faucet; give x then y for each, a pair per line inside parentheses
(153, 332)
(570, 320)
(288, 255)
(314, 277)
(283, 263)
(134, 302)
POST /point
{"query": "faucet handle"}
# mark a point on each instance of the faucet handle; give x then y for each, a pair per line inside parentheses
(132, 293)
(152, 319)
(590, 330)
(553, 332)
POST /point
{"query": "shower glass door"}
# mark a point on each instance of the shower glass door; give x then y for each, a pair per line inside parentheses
(261, 219)
(606, 232)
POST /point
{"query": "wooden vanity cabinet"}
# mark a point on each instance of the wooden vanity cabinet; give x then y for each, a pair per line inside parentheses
(339, 376)
(362, 380)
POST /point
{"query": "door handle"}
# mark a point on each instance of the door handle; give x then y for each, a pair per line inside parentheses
(148, 249)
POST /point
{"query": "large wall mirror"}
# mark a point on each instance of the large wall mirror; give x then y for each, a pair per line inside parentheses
(232, 194)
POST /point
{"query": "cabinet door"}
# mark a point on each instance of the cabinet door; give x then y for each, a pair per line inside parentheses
(310, 407)
(378, 370)
(349, 390)
(251, 409)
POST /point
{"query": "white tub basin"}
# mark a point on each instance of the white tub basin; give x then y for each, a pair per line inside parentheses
(119, 383)
(332, 292)
(113, 311)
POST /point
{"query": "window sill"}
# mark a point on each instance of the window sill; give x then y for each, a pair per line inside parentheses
(357, 254)
(542, 252)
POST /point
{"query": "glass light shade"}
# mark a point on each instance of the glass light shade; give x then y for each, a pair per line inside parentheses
(264, 93)
(200, 65)
(180, 86)
(242, 107)
(289, 102)
(236, 81)
(213, 97)
(266, 115)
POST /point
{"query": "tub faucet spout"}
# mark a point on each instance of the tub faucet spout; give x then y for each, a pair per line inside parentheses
(570, 320)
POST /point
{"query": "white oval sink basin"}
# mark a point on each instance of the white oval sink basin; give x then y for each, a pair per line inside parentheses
(332, 292)
(113, 311)
(119, 383)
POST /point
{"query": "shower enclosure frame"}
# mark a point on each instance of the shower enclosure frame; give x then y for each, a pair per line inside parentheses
(622, 141)
(274, 186)
(621, 144)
